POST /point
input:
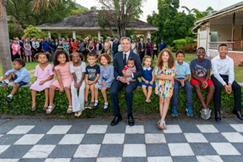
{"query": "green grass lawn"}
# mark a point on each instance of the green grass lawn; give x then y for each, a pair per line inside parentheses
(188, 58)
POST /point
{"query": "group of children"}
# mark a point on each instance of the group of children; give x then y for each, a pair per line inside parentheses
(74, 76)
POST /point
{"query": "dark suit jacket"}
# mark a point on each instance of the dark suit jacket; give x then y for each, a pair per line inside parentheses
(119, 65)
(140, 47)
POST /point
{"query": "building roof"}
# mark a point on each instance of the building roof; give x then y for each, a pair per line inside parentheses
(238, 7)
(88, 21)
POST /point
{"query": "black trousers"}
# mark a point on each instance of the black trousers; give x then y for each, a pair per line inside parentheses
(218, 89)
(141, 55)
(116, 87)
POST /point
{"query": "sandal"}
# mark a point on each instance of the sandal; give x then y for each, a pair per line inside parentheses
(49, 109)
(33, 108)
(69, 110)
(78, 114)
(45, 108)
(161, 125)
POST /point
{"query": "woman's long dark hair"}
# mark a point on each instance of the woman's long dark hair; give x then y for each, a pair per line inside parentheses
(56, 54)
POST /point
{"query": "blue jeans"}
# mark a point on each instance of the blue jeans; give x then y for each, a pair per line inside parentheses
(52, 55)
(188, 88)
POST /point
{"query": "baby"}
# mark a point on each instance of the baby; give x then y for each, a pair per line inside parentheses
(131, 68)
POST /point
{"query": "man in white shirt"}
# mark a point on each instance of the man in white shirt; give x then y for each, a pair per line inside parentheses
(223, 76)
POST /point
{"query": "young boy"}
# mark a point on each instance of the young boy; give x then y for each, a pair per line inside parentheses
(91, 76)
(182, 79)
(223, 76)
(130, 67)
(19, 75)
(200, 69)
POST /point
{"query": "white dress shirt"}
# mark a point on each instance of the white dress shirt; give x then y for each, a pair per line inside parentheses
(223, 67)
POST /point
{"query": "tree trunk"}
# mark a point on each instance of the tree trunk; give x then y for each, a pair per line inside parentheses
(5, 56)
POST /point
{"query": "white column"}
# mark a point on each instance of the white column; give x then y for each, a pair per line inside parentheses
(49, 34)
(59, 35)
(148, 35)
(99, 36)
(74, 35)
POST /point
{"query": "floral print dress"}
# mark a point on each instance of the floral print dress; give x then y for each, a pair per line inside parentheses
(164, 87)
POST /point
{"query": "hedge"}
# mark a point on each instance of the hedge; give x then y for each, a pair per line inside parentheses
(21, 103)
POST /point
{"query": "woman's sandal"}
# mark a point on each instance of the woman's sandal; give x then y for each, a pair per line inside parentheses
(49, 109)
(69, 110)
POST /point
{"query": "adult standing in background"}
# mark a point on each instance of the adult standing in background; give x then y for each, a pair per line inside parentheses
(107, 47)
(141, 49)
(162, 45)
(120, 81)
(35, 47)
(53, 47)
(115, 46)
(134, 46)
(155, 49)
(149, 49)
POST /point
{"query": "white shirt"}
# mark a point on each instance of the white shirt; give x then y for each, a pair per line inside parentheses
(223, 67)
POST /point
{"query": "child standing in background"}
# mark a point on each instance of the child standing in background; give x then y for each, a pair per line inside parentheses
(105, 80)
(18, 74)
(165, 71)
(64, 79)
(131, 68)
(77, 69)
(44, 78)
(147, 78)
(91, 77)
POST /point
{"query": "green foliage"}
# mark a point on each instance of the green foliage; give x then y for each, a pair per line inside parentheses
(21, 103)
(15, 29)
(33, 32)
(77, 11)
(179, 43)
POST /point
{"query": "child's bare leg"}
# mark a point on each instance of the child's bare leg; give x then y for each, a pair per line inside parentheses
(92, 88)
(210, 94)
(4, 77)
(96, 91)
(149, 93)
(15, 88)
(33, 95)
(144, 91)
(52, 94)
(103, 91)
(46, 97)
(200, 96)
(87, 92)
(165, 107)
(161, 105)
(68, 94)
(9, 77)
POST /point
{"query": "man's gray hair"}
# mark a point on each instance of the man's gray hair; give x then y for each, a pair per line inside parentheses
(127, 38)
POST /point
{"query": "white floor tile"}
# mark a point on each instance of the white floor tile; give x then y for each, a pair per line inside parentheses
(97, 129)
(39, 151)
(21, 129)
(136, 129)
(71, 139)
(111, 159)
(58, 160)
(29, 139)
(195, 138)
(9, 160)
(207, 128)
(3, 148)
(155, 138)
(233, 137)
(59, 129)
(209, 158)
(160, 159)
(225, 149)
(115, 138)
(134, 150)
(173, 129)
(87, 151)
(180, 149)
(237, 127)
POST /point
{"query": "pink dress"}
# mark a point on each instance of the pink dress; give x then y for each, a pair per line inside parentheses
(65, 75)
(42, 74)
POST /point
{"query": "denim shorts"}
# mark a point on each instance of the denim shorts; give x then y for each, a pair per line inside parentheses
(20, 83)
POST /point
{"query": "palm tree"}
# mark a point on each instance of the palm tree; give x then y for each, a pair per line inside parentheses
(5, 56)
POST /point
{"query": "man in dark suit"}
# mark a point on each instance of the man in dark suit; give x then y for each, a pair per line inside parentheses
(115, 46)
(119, 63)
(141, 49)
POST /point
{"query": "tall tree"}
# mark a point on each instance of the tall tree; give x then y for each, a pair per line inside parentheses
(119, 13)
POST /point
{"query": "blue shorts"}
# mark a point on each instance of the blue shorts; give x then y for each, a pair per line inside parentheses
(20, 83)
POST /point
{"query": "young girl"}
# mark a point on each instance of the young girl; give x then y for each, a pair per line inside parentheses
(147, 78)
(105, 79)
(64, 79)
(77, 69)
(44, 78)
(165, 72)
(27, 50)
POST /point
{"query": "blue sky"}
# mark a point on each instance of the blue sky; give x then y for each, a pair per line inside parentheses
(151, 5)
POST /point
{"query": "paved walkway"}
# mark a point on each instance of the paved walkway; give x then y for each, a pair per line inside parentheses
(90, 140)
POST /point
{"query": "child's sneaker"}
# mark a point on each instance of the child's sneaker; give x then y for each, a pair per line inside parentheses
(174, 112)
(9, 99)
(86, 105)
(189, 112)
(91, 105)
(205, 113)
(3, 84)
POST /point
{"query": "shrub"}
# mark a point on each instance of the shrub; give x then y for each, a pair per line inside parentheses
(33, 32)
(180, 43)
(21, 103)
